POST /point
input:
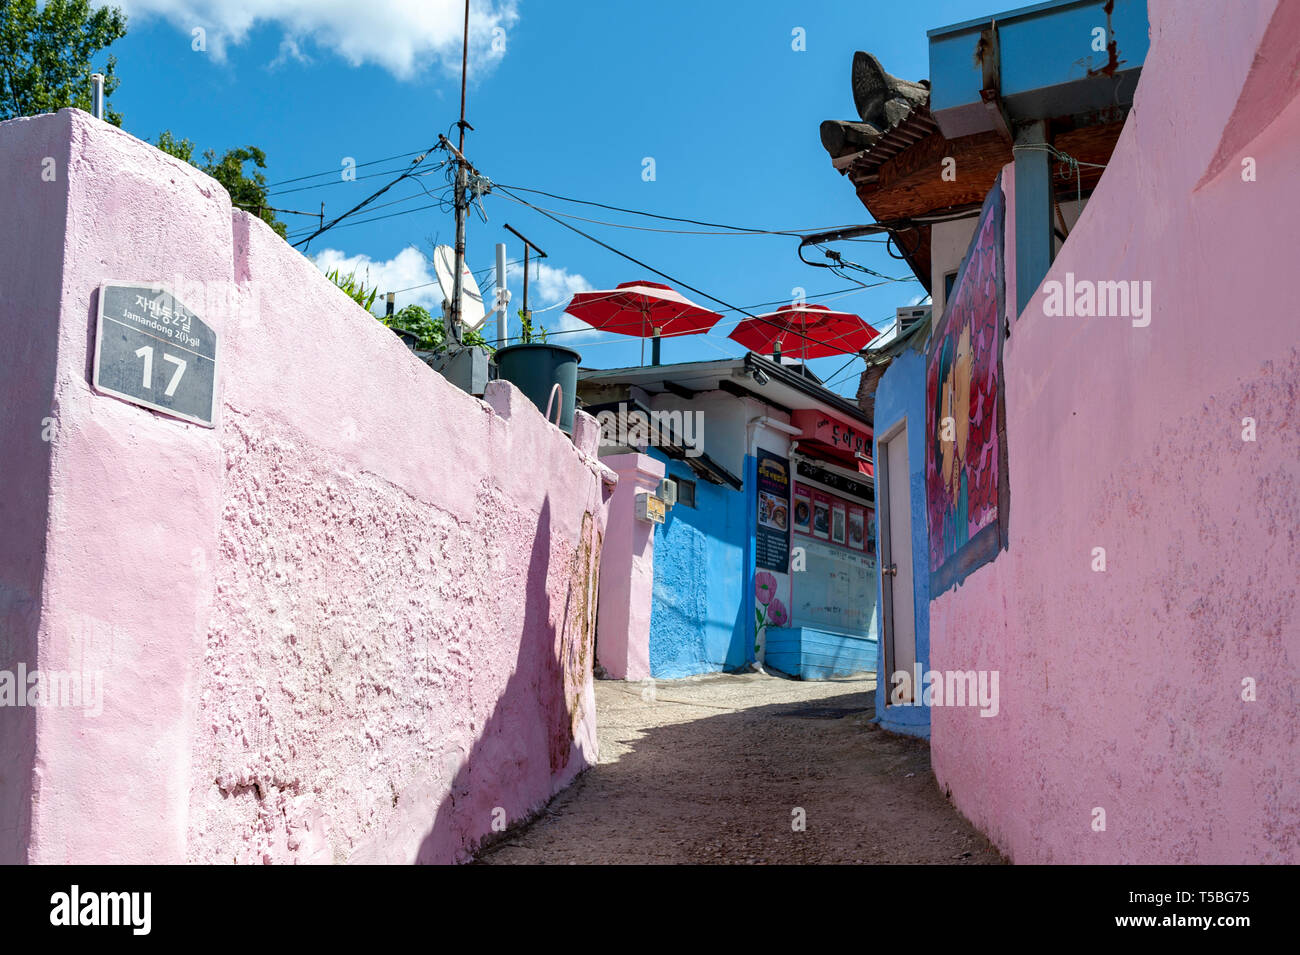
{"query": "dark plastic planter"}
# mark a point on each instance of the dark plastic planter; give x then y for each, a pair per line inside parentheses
(535, 369)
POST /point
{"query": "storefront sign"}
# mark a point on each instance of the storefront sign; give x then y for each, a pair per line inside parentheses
(845, 486)
(824, 429)
(152, 351)
(772, 538)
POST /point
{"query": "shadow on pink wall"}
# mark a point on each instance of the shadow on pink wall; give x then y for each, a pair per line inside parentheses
(552, 674)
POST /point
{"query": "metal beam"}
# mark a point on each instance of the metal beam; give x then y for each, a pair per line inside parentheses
(1034, 245)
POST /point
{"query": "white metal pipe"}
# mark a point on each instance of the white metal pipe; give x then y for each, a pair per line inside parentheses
(503, 296)
(97, 95)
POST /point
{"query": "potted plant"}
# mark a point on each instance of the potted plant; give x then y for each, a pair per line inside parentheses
(537, 367)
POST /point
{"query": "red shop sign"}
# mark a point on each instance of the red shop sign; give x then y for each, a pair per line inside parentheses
(823, 429)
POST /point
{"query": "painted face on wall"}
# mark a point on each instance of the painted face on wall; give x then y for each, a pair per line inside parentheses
(955, 397)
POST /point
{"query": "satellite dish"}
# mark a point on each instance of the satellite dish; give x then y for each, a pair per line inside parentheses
(472, 313)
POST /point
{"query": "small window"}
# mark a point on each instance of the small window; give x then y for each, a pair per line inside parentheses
(948, 281)
(685, 492)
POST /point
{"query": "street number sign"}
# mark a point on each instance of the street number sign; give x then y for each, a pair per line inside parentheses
(153, 351)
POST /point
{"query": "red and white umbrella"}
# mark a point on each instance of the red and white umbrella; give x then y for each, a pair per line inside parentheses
(643, 309)
(805, 331)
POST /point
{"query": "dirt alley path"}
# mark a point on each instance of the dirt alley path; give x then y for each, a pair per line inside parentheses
(712, 770)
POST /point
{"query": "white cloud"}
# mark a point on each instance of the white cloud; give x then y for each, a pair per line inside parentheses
(549, 286)
(404, 37)
(403, 271)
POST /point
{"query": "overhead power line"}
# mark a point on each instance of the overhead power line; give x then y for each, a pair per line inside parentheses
(797, 233)
(338, 182)
(383, 205)
(676, 281)
(366, 201)
(336, 169)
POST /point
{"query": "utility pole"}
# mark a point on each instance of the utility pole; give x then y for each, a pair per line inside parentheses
(453, 338)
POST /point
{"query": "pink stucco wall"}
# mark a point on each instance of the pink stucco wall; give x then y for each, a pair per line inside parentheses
(1122, 690)
(350, 623)
(627, 584)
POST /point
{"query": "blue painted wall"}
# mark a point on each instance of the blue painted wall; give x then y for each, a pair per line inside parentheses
(701, 620)
(900, 394)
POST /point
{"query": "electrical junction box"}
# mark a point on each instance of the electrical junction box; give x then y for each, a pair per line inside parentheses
(466, 368)
(668, 491)
(650, 509)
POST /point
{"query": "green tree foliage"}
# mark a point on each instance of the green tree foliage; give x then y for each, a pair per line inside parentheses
(182, 149)
(46, 53)
(246, 191)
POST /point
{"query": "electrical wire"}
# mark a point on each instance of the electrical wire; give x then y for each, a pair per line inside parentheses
(382, 205)
(799, 233)
(338, 182)
(345, 225)
(335, 171)
(803, 336)
(476, 273)
(366, 201)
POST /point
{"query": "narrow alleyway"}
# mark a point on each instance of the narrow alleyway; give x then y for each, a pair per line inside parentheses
(715, 769)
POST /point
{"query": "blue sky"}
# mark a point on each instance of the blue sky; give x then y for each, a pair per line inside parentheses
(580, 96)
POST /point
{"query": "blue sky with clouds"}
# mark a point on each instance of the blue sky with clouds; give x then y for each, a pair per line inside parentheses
(565, 96)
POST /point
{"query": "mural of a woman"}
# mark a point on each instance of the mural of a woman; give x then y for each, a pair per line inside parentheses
(953, 415)
(964, 460)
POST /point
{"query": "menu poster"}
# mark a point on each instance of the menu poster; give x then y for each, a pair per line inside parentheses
(871, 530)
(821, 515)
(802, 510)
(772, 540)
(857, 528)
(839, 530)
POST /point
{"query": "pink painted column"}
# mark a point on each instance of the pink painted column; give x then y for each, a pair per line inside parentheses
(627, 571)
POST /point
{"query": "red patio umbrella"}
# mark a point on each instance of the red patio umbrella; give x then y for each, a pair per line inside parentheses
(640, 309)
(804, 331)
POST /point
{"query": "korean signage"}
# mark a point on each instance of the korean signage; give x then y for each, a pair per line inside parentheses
(152, 351)
(772, 539)
(836, 434)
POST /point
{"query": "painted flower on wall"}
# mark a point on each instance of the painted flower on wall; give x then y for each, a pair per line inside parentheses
(776, 613)
(769, 611)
